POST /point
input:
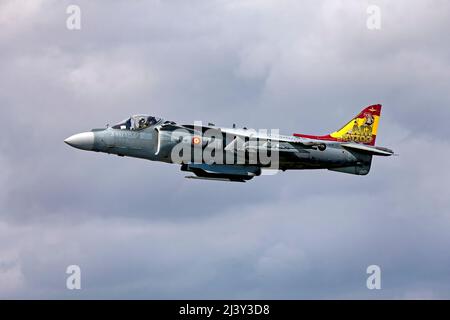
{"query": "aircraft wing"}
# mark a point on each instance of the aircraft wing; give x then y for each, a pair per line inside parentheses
(296, 141)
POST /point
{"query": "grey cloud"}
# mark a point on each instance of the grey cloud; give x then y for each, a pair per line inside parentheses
(140, 230)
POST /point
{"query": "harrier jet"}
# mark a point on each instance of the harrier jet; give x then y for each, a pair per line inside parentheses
(238, 154)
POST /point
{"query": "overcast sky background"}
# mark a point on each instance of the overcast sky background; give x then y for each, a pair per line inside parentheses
(140, 230)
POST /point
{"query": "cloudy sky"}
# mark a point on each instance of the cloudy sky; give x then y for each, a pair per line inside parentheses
(140, 230)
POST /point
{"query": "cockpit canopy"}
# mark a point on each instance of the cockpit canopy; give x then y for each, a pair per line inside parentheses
(138, 122)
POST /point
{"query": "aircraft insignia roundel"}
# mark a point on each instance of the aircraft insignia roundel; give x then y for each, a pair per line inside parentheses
(196, 140)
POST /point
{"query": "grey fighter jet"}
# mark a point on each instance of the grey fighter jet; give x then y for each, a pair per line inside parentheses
(238, 154)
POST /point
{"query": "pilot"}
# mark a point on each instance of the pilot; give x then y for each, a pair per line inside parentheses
(142, 123)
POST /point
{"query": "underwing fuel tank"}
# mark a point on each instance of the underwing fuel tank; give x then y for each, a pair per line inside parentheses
(218, 171)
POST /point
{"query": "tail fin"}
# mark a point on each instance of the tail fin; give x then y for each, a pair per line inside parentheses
(362, 128)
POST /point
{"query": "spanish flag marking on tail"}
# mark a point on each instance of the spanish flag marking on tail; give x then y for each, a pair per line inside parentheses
(361, 129)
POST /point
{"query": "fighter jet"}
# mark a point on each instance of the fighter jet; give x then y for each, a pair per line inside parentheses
(235, 154)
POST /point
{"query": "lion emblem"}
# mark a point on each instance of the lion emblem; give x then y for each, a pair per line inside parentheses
(363, 132)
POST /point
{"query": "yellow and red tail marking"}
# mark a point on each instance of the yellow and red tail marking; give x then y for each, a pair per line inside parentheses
(361, 129)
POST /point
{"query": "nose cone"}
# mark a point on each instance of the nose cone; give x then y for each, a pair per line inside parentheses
(83, 141)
